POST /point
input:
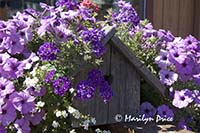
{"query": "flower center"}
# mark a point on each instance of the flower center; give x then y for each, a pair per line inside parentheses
(182, 98)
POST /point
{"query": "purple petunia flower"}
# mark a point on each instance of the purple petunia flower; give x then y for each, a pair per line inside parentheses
(35, 118)
(182, 98)
(23, 102)
(191, 43)
(13, 44)
(48, 51)
(2, 129)
(177, 56)
(37, 92)
(22, 125)
(186, 67)
(49, 76)
(196, 96)
(7, 114)
(147, 109)
(69, 4)
(168, 77)
(12, 68)
(165, 112)
(162, 60)
(85, 90)
(183, 124)
(6, 87)
(61, 85)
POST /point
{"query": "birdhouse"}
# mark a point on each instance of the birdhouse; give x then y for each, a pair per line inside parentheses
(125, 71)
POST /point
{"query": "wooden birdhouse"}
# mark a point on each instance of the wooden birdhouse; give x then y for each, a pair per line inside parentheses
(125, 71)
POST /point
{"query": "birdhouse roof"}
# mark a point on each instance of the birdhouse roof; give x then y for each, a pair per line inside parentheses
(149, 77)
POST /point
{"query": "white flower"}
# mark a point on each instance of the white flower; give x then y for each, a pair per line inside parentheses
(72, 131)
(71, 90)
(34, 71)
(98, 130)
(64, 113)
(55, 124)
(74, 112)
(93, 120)
(58, 113)
(40, 104)
(31, 82)
(86, 124)
(104, 131)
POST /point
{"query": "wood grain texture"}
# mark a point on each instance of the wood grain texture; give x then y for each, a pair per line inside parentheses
(197, 19)
(171, 11)
(158, 14)
(186, 18)
(126, 86)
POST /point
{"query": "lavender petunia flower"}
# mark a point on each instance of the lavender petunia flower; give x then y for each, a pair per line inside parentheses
(162, 60)
(165, 112)
(177, 56)
(12, 68)
(168, 77)
(61, 85)
(22, 125)
(6, 87)
(35, 118)
(191, 43)
(37, 92)
(182, 98)
(30, 60)
(14, 46)
(2, 129)
(147, 109)
(23, 102)
(183, 124)
(186, 67)
(7, 114)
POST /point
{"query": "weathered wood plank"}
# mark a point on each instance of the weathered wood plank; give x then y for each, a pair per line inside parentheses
(171, 15)
(126, 86)
(186, 18)
(158, 14)
(197, 19)
(141, 68)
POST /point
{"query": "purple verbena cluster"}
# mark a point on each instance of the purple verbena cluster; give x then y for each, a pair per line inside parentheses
(86, 89)
(126, 14)
(48, 51)
(61, 85)
(94, 37)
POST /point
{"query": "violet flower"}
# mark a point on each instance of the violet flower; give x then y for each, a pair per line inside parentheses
(22, 125)
(23, 102)
(147, 109)
(182, 98)
(165, 112)
(168, 77)
(7, 114)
